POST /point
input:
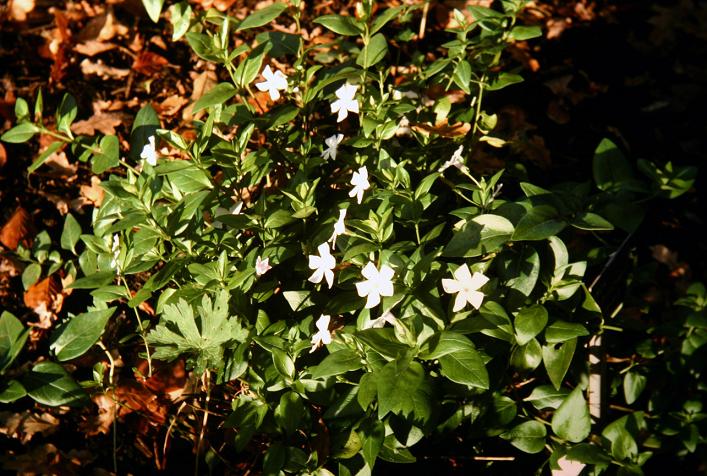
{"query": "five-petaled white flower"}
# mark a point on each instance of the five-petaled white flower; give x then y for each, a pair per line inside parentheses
(332, 144)
(345, 102)
(466, 286)
(359, 180)
(323, 336)
(262, 266)
(377, 283)
(380, 322)
(339, 227)
(322, 265)
(456, 160)
(273, 84)
(220, 211)
(149, 153)
(568, 467)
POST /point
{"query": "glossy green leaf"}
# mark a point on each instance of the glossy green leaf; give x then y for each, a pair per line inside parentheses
(529, 322)
(337, 363)
(263, 16)
(557, 359)
(49, 384)
(481, 235)
(70, 234)
(634, 384)
(79, 335)
(11, 391)
(339, 24)
(219, 94)
(539, 223)
(20, 133)
(528, 436)
(180, 17)
(12, 338)
(373, 52)
(571, 420)
(51, 148)
(561, 331)
(547, 396)
(610, 167)
(153, 9)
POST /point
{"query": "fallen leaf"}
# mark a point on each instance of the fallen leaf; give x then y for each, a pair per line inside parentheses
(18, 229)
(19, 9)
(60, 167)
(23, 426)
(101, 422)
(203, 82)
(94, 47)
(3, 156)
(443, 128)
(149, 63)
(104, 122)
(93, 193)
(101, 70)
(103, 27)
(45, 299)
(171, 106)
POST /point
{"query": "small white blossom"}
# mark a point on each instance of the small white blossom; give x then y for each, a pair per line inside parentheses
(220, 211)
(345, 102)
(466, 286)
(323, 336)
(323, 265)
(339, 227)
(456, 160)
(377, 284)
(149, 153)
(273, 84)
(332, 144)
(262, 266)
(359, 180)
(380, 322)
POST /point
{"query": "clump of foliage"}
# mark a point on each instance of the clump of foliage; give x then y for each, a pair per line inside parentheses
(331, 252)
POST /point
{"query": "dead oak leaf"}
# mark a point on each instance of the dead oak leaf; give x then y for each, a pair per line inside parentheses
(149, 63)
(89, 68)
(104, 122)
(18, 229)
(93, 193)
(45, 299)
(443, 128)
(171, 106)
(94, 47)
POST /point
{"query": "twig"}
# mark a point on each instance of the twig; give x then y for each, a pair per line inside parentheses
(423, 21)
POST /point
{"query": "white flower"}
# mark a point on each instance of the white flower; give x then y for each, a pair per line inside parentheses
(332, 144)
(322, 265)
(273, 84)
(115, 249)
(377, 283)
(262, 266)
(220, 211)
(568, 467)
(456, 160)
(148, 152)
(466, 286)
(339, 227)
(359, 180)
(346, 102)
(380, 322)
(323, 336)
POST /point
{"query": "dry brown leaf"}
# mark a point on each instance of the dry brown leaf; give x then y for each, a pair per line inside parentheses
(149, 63)
(104, 122)
(45, 299)
(19, 9)
(203, 82)
(94, 47)
(18, 229)
(443, 128)
(103, 27)
(60, 167)
(93, 193)
(23, 426)
(171, 106)
(3, 156)
(102, 70)
(100, 422)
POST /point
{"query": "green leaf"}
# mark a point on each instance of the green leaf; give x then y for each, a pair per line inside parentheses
(20, 133)
(503, 80)
(11, 390)
(459, 360)
(145, 125)
(337, 363)
(557, 360)
(283, 363)
(247, 418)
(70, 233)
(51, 148)
(49, 384)
(219, 94)
(80, 334)
(339, 24)
(180, 17)
(373, 436)
(591, 221)
(481, 235)
(12, 338)
(521, 33)
(95, 280)
(546, 396)
(521, 270)
(571, 420)
(610, 167)
(385, 17)
(66, 113)
(634, 384)
(561, 331)
(153, 9)
(383, 341)
(529, 436)
(373, 52)
(462, 76)
(529, 322)
(348, 448)
(248, 70)
(108, 156)
(403, 389)
(539, 223)
(588, 454)
(263, 16)
(31, 274)
(289, 412)
(528, 356)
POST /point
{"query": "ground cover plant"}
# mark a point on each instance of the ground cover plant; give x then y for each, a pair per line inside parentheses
(337, 283)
